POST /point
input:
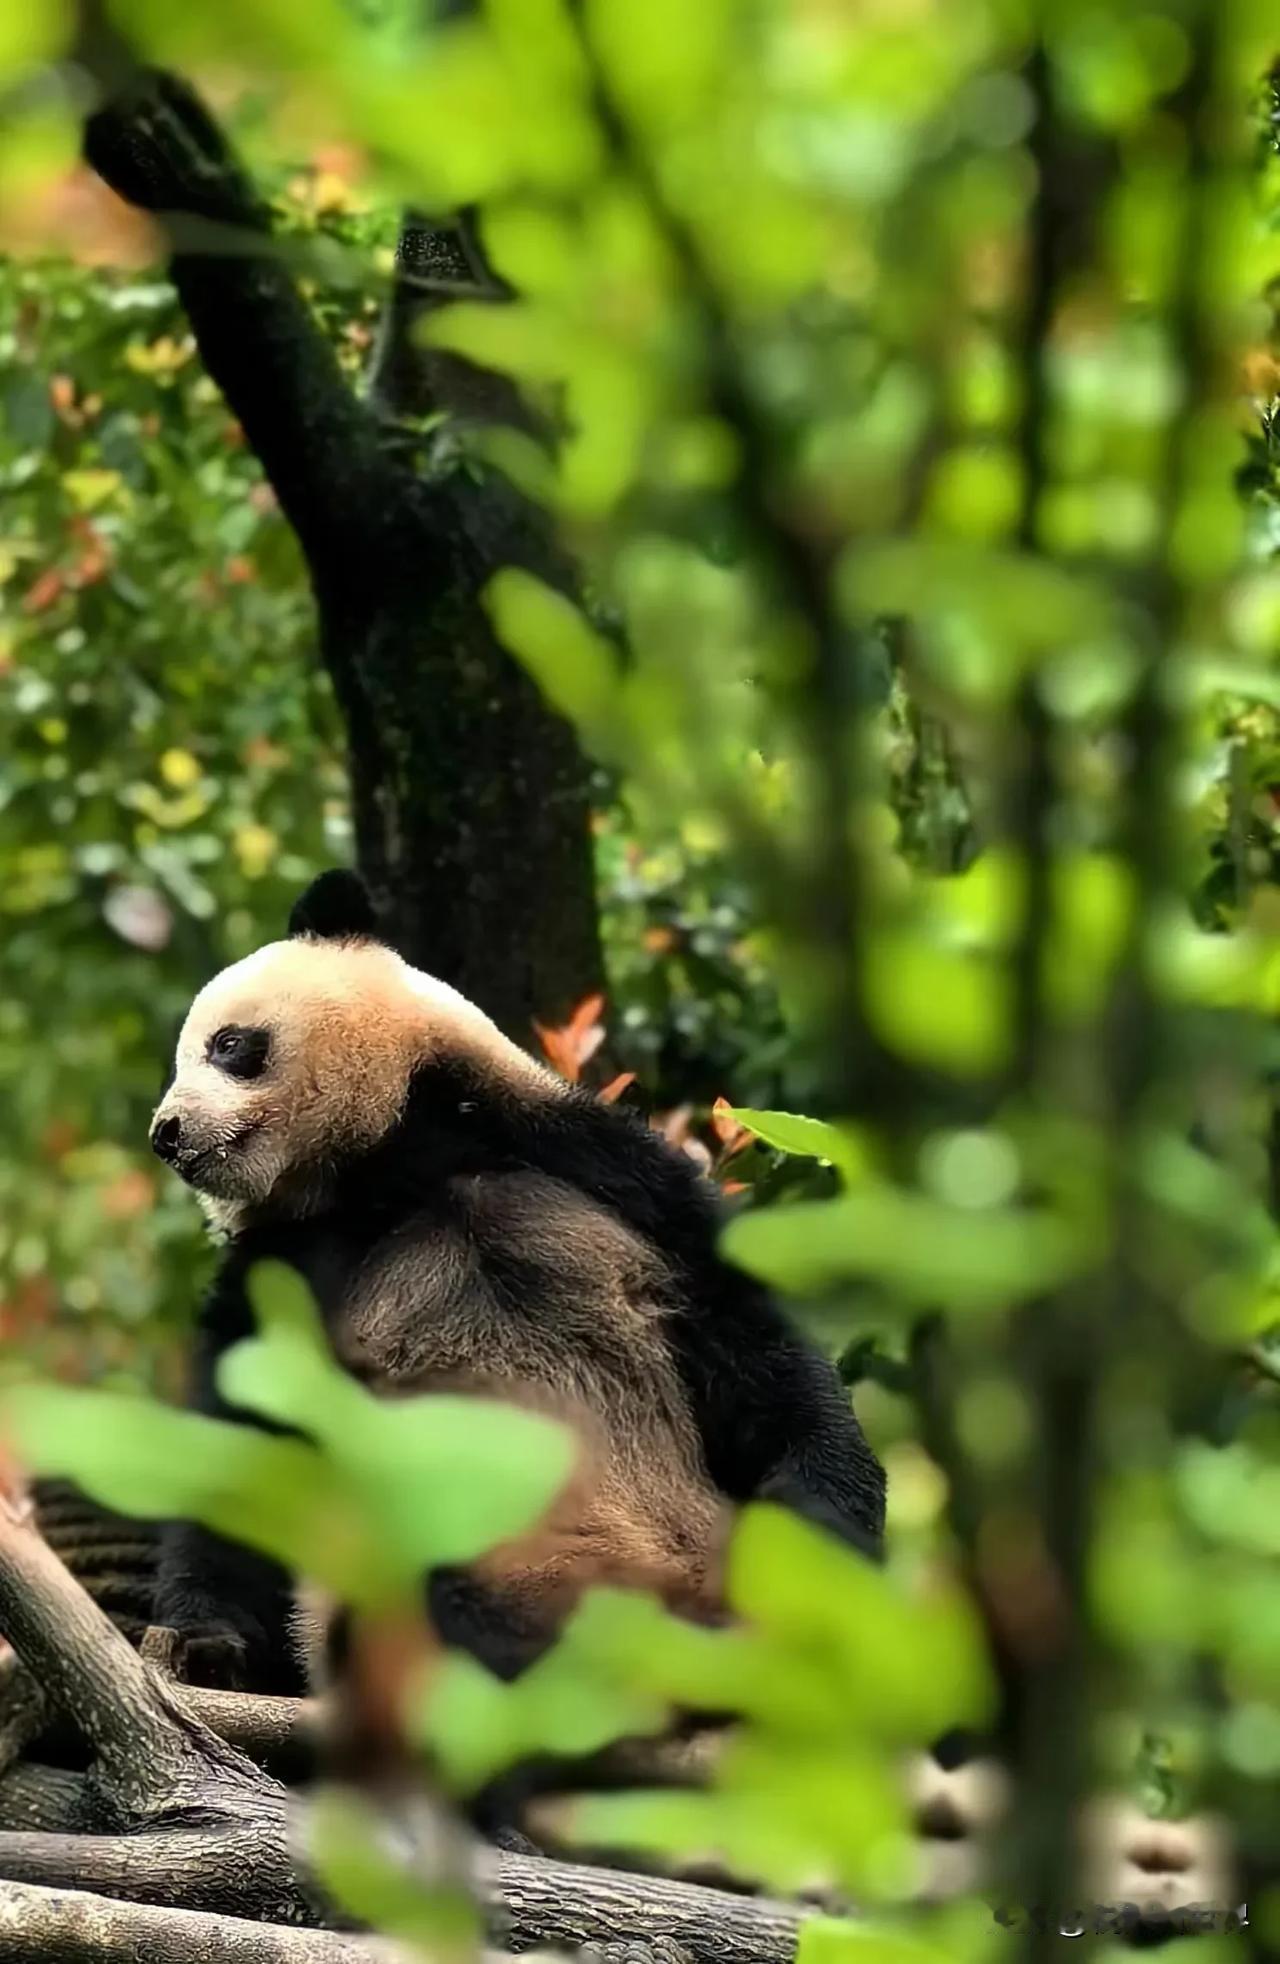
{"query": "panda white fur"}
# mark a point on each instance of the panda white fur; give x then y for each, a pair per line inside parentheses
(466, 1218)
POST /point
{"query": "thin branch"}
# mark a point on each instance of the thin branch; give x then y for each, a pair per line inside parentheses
(1045, 1681)
(153, 141)
(437, 263)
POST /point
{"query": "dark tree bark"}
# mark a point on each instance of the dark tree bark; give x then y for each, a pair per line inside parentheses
(470, 796)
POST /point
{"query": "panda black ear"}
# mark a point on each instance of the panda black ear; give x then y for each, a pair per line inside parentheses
(335, 907)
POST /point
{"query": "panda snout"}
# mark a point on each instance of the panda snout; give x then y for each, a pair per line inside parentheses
(166, 1140)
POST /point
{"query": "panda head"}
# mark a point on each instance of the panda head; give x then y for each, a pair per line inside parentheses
(297, 1060)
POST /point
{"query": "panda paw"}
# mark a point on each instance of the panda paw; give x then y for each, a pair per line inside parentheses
(213, 1656)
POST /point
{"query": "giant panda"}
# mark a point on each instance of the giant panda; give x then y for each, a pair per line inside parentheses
(465, 1218)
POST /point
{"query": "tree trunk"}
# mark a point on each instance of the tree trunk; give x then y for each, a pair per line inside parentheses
(470, 795)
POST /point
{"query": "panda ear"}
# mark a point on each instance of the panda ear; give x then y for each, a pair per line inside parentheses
(335, 907)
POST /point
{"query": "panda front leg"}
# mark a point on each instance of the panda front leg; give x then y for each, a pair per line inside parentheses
(774, 1418)
(231, 1611)
(229, 1607)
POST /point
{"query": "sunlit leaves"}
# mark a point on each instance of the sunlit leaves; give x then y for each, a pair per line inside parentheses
(919, 1655)
(832, 1661)
(927, 1251)
(773, 304)
(572, 664)
(445, 1477)
(1017, 606)
(142, 1458)
(475, 1725)
(778, 1811)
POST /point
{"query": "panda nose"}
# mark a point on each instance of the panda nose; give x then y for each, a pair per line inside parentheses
(166, 1139)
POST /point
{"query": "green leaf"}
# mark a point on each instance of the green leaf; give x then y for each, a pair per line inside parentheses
(474, 1725)
(87, 489)
(630, 1642)
(349, 1844)
(442, 1478)
(142, 1458)
(574, 667)
(804, 1138)
(1209, 677)
(837, 1940)
(840, 1800)
(909, 1665)
(776, 1813)
(962, 1257)
(452, 1477)
(288, 1373)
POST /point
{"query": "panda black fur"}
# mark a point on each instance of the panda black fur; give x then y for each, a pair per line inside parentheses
(466, 1219)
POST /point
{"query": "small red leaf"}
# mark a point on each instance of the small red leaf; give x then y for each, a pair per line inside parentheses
(571, 1045)
(43, 591)
(733, 1137)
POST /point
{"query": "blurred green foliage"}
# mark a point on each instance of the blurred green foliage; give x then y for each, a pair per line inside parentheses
(948, 572)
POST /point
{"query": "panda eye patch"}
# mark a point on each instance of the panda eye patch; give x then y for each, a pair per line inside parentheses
(238, 1051)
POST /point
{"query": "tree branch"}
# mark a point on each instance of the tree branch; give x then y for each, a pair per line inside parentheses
(528, 1900)
(155, 1761)
(23, 1711)
(46, 1798)
(437, 263)
(75, 1928)
(185, 1868)
(152, 140)
(85, 1668)
(535, 1901)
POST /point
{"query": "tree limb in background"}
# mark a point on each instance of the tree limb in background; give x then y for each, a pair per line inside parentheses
(470, 797)
(437, 263)
(157, 146)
